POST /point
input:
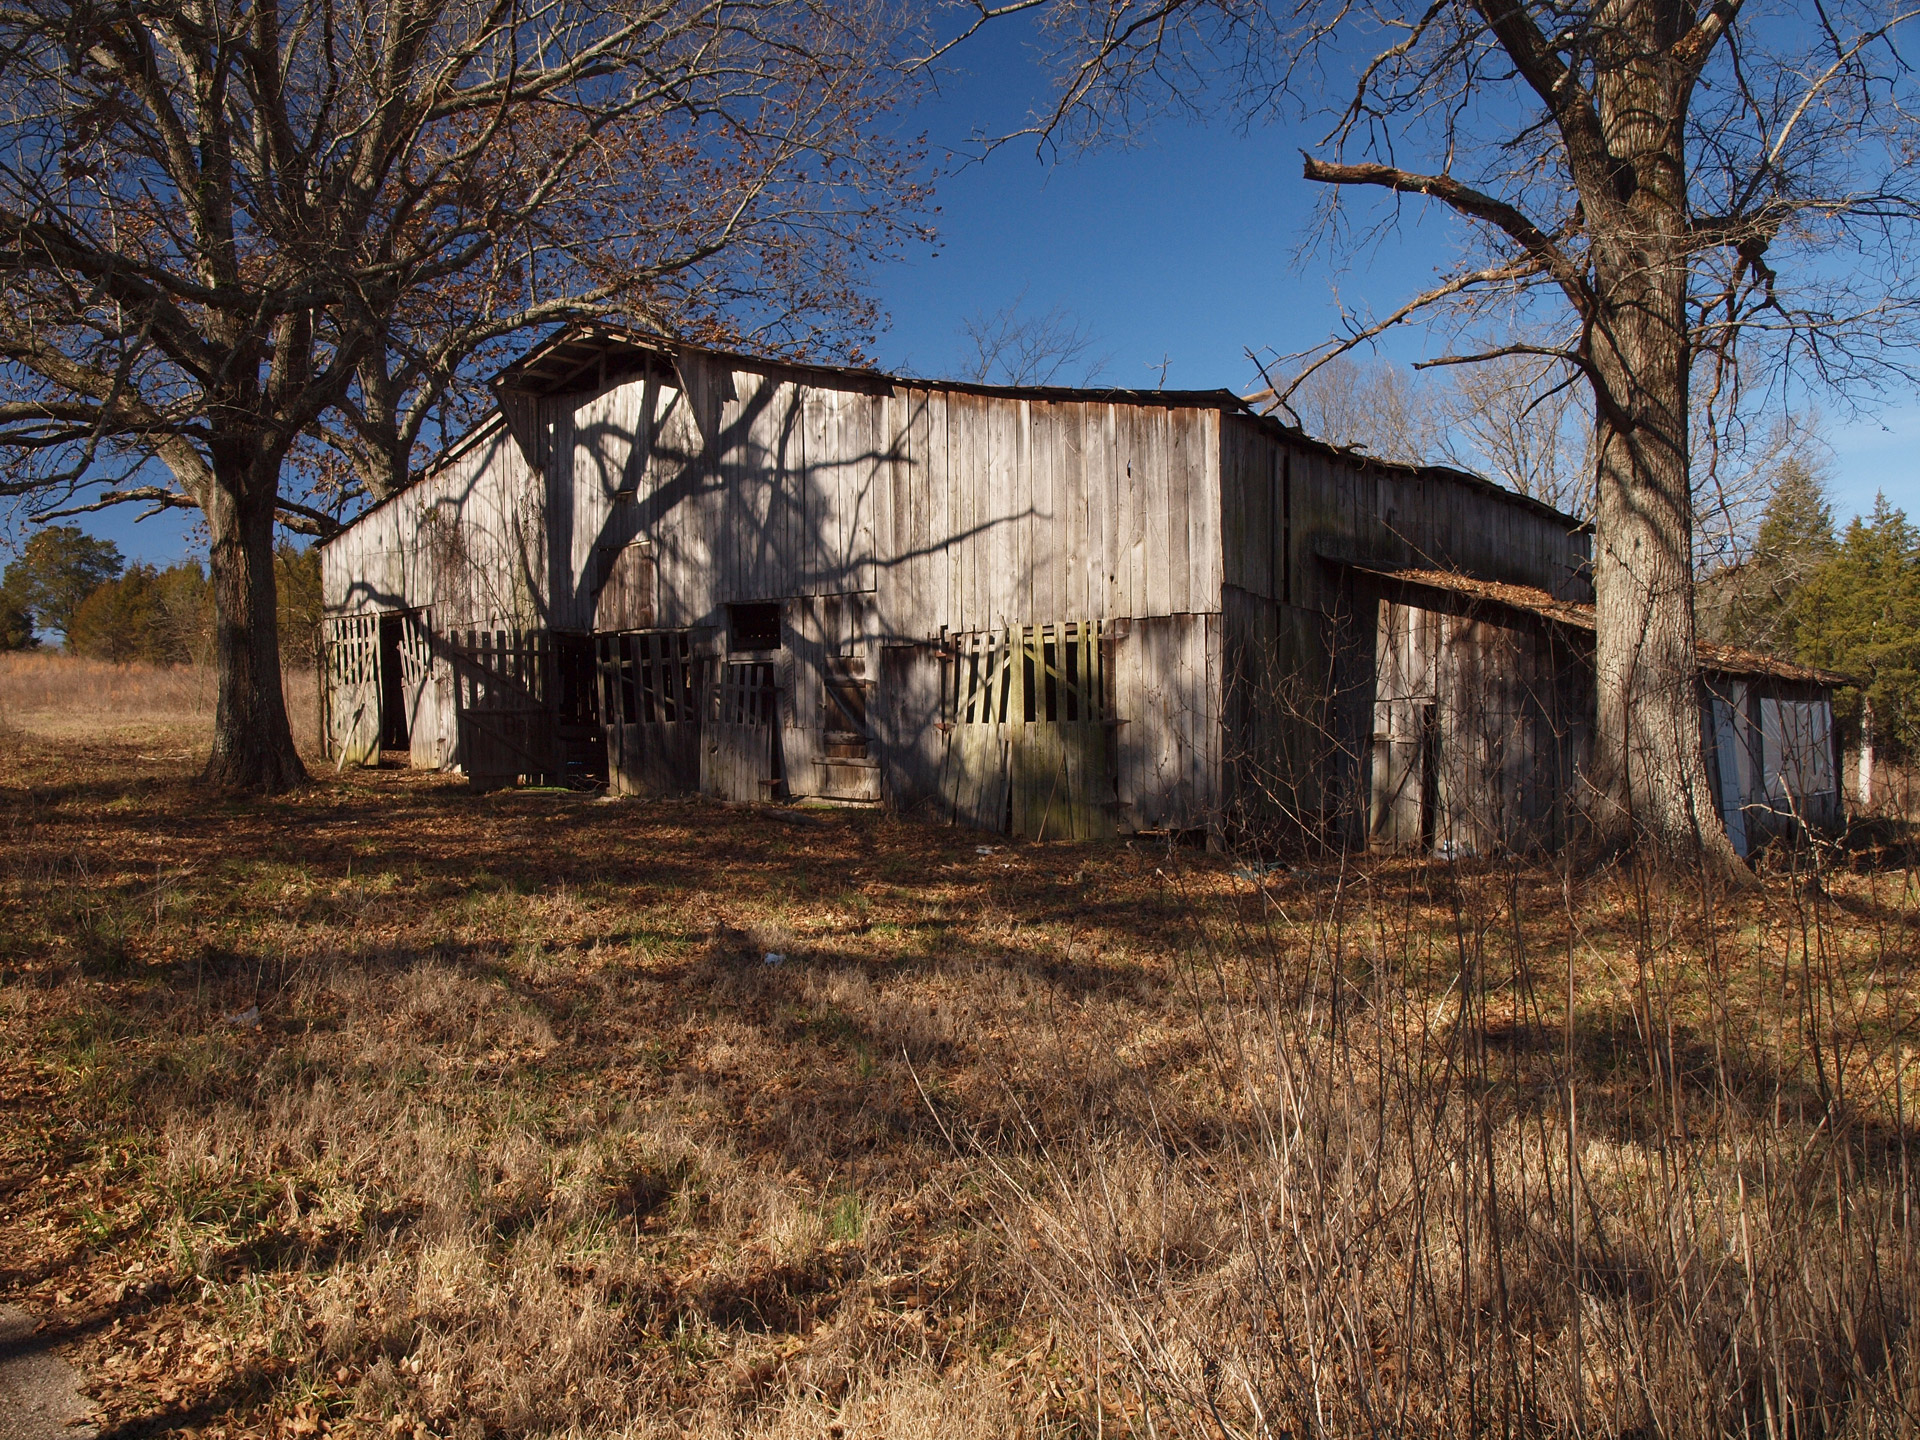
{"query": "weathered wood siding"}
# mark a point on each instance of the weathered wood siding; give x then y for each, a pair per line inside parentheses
(1298, 706)
(960, 510)
(1479, 729)
(1772, 758)
(464, 548)
(1292, 507)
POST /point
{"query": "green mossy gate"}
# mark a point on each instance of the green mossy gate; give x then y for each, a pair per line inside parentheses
(1029, 749)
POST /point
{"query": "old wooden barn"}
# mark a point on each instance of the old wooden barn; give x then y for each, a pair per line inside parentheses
(1056, 612)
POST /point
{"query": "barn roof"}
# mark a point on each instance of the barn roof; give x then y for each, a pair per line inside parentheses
(1716, 659)
(587, 354)
(584, 353)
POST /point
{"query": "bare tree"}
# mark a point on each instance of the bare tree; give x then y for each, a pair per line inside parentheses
(1518, 420)
(1656, 194)
(1375, 407)
(225, 222)
(1011, 347)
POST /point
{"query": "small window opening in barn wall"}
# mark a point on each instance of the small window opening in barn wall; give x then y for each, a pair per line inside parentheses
(753, 627)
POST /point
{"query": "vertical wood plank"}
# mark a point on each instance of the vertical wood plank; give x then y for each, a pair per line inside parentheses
(939, 534)
(1000, 576)
(1101, 473)
(968, 479)
(1203, 513)
(1173, 431)
(1152, 483)
(1044, 527)
(901, 569)
(1070, 498)
(1127, 559)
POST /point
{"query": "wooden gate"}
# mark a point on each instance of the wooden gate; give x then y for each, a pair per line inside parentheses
(736, 758)
(650, 710)
(350, 688)
(1028, 749)
(502, 682)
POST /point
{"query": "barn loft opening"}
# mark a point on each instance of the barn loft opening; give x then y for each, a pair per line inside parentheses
(753, 627)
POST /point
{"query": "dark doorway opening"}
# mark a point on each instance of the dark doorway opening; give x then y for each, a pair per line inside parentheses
(753, 627)
(581, 742)
(394, 730)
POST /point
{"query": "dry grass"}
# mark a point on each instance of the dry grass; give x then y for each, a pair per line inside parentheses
(1381, 1220)
(529, 1139)
(56, 696)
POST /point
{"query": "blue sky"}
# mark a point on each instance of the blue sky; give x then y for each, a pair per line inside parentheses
(1187, 247)
(1182, 251)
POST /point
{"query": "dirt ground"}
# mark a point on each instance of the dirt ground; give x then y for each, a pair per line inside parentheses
(389, 1108)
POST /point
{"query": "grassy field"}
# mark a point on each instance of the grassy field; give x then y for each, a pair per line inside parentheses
(59, 697)
(390, 1109)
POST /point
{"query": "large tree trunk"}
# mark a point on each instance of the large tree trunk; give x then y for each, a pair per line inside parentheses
(1649, 766)
(253, 745)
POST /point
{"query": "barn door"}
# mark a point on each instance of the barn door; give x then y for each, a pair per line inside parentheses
(1403, 810)
(502, 680)
(736, 758)
(416, 683)
(1028, 750)
(350, 664)
(847, 769)
(1063, 784)
(650, 710)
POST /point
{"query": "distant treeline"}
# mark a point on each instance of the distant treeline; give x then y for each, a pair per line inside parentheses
(67, 583)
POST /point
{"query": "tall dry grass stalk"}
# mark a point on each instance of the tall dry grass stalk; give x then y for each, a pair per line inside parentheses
(67, 697)
(1650, 1177)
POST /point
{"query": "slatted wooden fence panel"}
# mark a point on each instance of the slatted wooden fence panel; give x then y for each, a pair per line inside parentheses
(350, 662)
(736, 753)
(650, 688)
(1029, 747)
(502, 690)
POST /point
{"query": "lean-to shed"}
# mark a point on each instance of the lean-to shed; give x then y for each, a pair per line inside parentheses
(1064, 612)
(1483, 707)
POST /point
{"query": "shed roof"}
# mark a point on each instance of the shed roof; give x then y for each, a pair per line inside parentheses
(1716, 659)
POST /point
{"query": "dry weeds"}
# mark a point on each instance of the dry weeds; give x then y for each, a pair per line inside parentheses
(56, 696)
(387, 1108)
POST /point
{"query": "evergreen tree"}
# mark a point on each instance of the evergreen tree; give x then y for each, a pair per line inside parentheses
(122, 620)
(160, 617)
(1859, 613)
(1752, 603)
(297, 579)
(16, 622)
